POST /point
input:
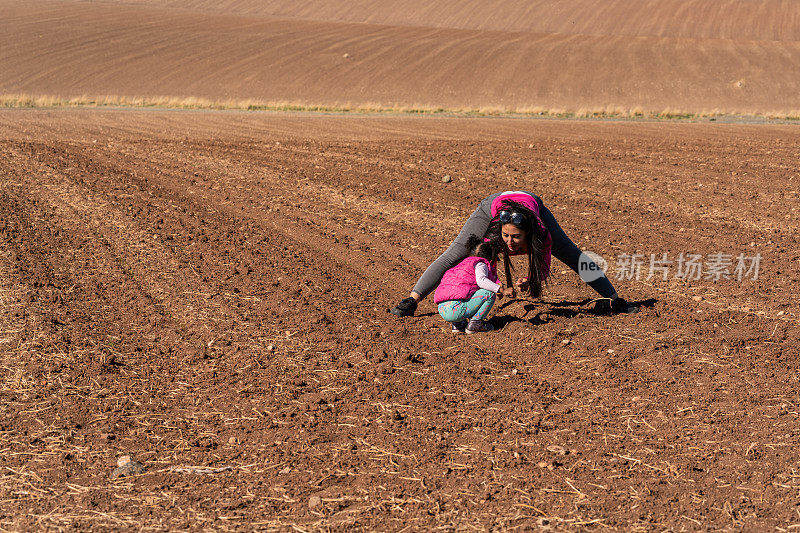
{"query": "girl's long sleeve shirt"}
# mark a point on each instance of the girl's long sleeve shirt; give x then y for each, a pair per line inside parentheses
(482, 278)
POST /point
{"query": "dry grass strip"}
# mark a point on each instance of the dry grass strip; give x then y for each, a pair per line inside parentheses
(191, 102)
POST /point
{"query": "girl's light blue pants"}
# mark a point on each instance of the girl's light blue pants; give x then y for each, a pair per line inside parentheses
(476, 308)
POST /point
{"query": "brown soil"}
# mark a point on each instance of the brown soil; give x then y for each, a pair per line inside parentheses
(773, 20)
(210, 290)
(699, 55)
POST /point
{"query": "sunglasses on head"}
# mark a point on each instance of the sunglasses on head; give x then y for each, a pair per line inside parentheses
(509, 216)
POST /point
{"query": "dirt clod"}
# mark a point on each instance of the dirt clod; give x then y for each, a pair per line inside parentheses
(314, 502)
(131, 468)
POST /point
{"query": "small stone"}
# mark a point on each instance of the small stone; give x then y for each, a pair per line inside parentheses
(131, 468)
(346, 56)
(123, 460)
(398, 416)
(271, 348)
(697, 298)
(314, 502)
(515, 372)
(447, 179)
(566, 341)
(516, 455)
(555, 448)
(542, 464)
(233, 440)
(610, 351)
(780, 313)
(285, 470)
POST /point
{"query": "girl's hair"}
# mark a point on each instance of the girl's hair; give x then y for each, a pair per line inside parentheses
(534, 237)
(479, 247)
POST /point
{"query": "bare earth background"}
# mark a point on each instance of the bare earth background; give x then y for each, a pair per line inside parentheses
(210, 289)
(736, 56)
(207, 292)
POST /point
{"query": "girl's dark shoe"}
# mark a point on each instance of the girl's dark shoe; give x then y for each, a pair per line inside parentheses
(459, 327)
(478, 326)
(406, 307)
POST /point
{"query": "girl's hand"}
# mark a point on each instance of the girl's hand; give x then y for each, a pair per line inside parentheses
(522, 284)
(506, 291)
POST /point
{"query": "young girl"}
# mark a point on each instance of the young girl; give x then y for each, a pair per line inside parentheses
(467, 291)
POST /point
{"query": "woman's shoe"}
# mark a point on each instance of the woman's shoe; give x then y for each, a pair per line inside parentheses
(406, 307)
(478, 326)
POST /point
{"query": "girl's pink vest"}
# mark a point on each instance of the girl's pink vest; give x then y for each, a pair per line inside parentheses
(530, 202)
(459, 283)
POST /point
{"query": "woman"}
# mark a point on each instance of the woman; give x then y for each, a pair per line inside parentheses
(526, 226)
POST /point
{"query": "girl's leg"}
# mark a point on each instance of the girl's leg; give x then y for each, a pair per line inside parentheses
(478, 307)
(453, 310)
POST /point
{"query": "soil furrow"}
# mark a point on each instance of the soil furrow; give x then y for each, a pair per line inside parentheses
(194, 295)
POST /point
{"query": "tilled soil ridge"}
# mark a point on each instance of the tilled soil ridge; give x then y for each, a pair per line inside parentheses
(207, 293)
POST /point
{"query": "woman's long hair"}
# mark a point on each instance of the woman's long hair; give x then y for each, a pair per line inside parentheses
(534, 238)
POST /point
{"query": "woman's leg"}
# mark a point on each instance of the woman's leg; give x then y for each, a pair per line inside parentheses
(478, 307)
(477, 224)
(568, 253)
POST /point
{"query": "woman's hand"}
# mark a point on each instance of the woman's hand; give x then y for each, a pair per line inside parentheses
(621, 305)
(505, 291)
(522, 284)
(605, 306)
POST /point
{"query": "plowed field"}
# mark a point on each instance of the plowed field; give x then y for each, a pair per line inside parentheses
(651, 56)
(211, 290)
